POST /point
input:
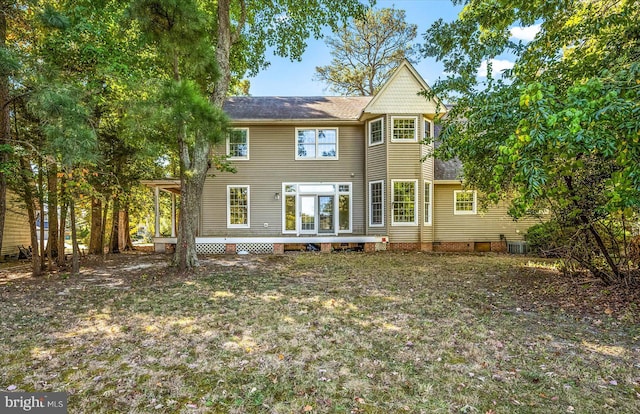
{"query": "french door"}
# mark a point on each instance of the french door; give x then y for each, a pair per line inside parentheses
(317, 214)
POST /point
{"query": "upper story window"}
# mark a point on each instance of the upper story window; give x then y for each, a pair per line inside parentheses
(464, 202)
(238, 144)
(428, 129)
(376, 131)
(404, 129)
(316, 144)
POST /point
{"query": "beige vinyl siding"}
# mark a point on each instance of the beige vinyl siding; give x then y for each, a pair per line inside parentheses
(404, 164)
(485, 226)
(402, 233)
(273, 150)
(400, 96)
(16, 227)
(425, 151)
(376, 170)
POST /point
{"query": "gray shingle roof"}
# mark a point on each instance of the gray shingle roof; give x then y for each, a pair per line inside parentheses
(445, 170)
(295, 107)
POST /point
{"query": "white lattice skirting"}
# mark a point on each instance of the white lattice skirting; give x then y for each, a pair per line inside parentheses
(255, 248)
(210, 248)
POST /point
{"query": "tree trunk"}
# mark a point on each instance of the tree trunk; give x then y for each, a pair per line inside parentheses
(191, 189)
(52, 189)
(41, 193)
(194, 165)
(103, 231)
(75, 258)
(606, 278)
(113, 242)
(26, 175)
(95, 242)
(127, 244)
(63, 224)
(5, 129)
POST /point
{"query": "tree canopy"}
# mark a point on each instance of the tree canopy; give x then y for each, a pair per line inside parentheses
(365, 52)
(558, 130)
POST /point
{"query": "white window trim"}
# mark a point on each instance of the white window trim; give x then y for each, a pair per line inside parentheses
(381, 119)
(336, 193)
(416, 203)
(239, 226)
(284, 208)
(316, 158)
(350, 194)
(370, 201)
(415, 129)
(465, 212)
(424, 200)
(248, 146)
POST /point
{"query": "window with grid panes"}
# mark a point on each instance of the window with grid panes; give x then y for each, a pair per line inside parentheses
(404, 129)
(404, 203)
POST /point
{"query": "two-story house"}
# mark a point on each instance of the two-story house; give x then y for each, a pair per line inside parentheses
(334, 172)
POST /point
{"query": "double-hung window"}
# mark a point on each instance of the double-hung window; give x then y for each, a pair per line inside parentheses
(404, 129)
(237, 206)
(238, 144)
(428, 129)
(376, 131)
(405, 199)
(376, 203)
(316, 144)
(464, 202)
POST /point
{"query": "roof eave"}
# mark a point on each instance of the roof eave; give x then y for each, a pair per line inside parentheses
(295, 121)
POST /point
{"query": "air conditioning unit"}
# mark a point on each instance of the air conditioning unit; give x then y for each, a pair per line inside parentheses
(518, 247)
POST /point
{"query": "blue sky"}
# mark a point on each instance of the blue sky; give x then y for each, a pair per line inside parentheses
(286, 78)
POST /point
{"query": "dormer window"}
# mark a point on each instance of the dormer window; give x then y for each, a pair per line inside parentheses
(404, 129)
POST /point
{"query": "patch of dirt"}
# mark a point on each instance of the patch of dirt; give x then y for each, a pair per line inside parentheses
(582, 294)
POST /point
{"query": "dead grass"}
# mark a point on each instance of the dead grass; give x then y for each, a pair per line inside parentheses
(343, 333)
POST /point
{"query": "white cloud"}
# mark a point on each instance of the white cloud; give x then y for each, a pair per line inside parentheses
(497, 66)
(525, 33)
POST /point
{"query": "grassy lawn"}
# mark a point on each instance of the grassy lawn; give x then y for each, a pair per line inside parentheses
(343, 333)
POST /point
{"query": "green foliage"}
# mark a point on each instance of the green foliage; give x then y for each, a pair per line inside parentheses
(187, 105)
(561, 129)
(65, 124)
(284, 26)
(51, 17)
(365, 52)
(547, 239)
(182, 32)
(9, 64)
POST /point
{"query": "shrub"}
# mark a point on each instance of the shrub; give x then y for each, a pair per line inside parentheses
(548, 239)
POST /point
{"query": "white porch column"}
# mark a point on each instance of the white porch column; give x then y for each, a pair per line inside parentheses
(173, 215)
(157, 209)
